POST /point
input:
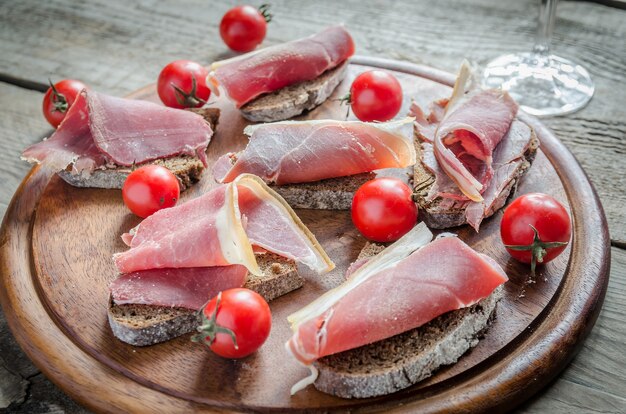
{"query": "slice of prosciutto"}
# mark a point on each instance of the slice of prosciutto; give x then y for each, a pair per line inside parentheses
(472, 125)
(506, 159)
(305, 151)
(220, 228)
(405, 286)
(178, 288)
(101, 130)
(247, 76)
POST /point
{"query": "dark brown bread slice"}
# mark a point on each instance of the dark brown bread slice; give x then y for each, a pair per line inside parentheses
(293, 100)
(142, 325)
(186, 168)
(441, 217)
(330, 194)
(398, 362)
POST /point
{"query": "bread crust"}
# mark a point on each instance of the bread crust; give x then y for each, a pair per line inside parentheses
(293, 100)
(330, 194)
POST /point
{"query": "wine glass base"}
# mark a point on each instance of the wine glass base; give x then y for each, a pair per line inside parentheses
(543, 85)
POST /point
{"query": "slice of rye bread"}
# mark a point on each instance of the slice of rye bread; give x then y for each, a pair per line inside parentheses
(142, 325)
(329, 194)
(293, 100)
(398, 362)
(442, 217)
(186, 168)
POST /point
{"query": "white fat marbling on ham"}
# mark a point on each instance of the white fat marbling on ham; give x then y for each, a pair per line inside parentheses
(99, 130)
(220, 228)
(184, 288)
(442, 276)
(306, 151)
(265, 70)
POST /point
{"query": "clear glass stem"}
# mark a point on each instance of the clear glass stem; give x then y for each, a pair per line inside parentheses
(545, 26)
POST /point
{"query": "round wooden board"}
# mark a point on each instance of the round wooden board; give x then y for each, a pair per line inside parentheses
(57, 243)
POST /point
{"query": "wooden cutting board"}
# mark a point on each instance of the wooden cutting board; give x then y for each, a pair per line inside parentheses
(56, 249)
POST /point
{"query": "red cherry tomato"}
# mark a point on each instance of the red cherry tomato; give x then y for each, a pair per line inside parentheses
(535, 228)
(149, 189)
(235, 323)
(59, 98)
(383, 209)
(375, 95)
(182, 84)
(243, 27)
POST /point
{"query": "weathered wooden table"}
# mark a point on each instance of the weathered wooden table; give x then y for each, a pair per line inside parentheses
(117, 47)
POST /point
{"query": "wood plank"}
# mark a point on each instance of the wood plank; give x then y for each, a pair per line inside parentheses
(599, 364)
(21, 124)
(566, 397)
(23, 389)
(595, 380)
(113, 45)
(119, 46)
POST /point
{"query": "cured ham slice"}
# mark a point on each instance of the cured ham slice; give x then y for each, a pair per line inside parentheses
(70, 145)
(220, 228)
(101, 130)
(464, 137)
(410, 283)
(248, 76)
(506, 160)
(306, 151)
(182, 288)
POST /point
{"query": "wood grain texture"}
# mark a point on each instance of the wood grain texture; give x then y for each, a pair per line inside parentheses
(119, 46)
(70, 271)
(21, 124)
(594, 381)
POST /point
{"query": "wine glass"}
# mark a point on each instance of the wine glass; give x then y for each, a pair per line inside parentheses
(543, 84)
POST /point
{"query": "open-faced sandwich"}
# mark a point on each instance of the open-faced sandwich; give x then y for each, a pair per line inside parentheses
(409, 309)
(238, 234)
(282, 81)
(472, 151)
(319, 164)
(102, 138)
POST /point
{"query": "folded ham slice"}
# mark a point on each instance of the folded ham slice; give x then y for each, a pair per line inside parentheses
(101, 130)
(505, 161)
(306, 151)
(473, 123)
(407, 285)
(247, 76)
(180, 288)
(220, 228)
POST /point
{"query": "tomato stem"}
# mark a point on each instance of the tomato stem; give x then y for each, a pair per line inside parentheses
(345, 100)
(264, 10)
(58, 99)
(209, 328)
(188, 100)
(537, 247)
